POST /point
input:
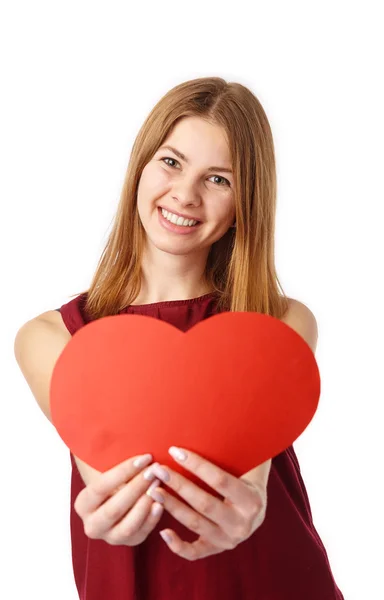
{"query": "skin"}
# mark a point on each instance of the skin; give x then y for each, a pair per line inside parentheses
(221, 524)
(118, 505)
(174, 264)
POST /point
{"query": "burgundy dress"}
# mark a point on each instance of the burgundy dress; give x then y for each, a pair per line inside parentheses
(284, 559)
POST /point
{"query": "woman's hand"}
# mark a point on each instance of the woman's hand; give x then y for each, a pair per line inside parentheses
(116, 507)
(221, 524)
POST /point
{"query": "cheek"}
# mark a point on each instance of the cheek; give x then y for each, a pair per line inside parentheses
(155, 178)
(230, 212)
(221, 211)
(153, 183)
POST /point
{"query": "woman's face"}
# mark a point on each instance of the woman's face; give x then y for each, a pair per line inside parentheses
(188, 189)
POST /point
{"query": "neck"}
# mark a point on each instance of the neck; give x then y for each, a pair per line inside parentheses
(167, 277)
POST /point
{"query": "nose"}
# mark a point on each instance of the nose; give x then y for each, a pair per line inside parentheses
(186, 194)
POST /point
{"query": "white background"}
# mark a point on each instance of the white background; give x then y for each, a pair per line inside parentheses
(78, 79)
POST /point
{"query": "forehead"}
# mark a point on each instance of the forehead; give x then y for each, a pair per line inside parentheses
(195, 137)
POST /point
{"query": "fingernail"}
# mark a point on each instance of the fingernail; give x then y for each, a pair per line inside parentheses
(148, 473)
(155, 495)
(160, 472)
(166, 537)
(177, 453)
(156, 509)
(142, 461)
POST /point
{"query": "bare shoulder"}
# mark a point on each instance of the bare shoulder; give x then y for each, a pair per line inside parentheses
(46, 330)
(300, 317)
(54, 318)
(37, 346)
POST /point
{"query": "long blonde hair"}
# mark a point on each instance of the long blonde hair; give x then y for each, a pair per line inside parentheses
(241, 265)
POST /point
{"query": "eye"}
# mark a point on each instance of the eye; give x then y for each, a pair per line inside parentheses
(217, 176)
(169, 158)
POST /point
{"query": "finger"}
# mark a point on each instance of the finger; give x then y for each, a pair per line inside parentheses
(227, 485)
(191, 519)
(201, 548)
(115, 508)
(140, 520)
(204, 503)
(104, 486)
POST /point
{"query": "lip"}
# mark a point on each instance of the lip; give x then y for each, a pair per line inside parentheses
(174, 212)
(176, 228)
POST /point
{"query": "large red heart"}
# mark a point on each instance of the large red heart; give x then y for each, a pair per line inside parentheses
(238, 388)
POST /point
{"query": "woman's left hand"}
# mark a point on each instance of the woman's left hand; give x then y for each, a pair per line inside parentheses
(221, 524)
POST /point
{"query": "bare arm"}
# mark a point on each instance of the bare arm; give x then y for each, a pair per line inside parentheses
(114, 506)
(38, 345)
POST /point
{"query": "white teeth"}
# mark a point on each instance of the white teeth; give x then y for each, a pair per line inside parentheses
(177, 220)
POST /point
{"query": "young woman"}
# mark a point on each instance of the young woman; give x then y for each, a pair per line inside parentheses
(193, 235)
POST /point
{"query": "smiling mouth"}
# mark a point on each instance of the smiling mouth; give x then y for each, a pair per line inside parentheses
(178, 219)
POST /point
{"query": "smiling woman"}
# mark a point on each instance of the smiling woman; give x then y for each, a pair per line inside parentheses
(188, 191)
(190, 239)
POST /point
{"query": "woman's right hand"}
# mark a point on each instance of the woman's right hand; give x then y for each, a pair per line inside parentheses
(115, 506)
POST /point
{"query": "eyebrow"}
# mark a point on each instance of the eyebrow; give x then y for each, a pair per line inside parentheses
(183, 157)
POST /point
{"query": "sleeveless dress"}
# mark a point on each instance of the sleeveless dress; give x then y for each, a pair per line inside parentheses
(284, 559)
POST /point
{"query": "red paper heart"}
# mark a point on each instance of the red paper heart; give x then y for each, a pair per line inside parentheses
(238, 388)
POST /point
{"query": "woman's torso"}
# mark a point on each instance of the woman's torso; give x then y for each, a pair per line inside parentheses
(283, 559)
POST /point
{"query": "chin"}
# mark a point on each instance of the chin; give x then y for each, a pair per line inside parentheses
(175, 247)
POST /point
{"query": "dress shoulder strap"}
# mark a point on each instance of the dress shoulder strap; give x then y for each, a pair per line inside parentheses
(73, 313)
